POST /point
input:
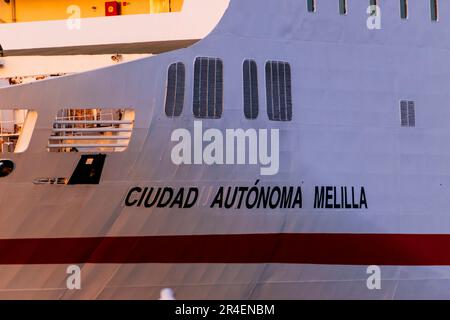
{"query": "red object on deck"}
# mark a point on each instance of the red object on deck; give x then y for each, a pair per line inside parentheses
(112, 8)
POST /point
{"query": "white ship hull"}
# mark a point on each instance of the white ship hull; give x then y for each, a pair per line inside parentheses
(347, 82)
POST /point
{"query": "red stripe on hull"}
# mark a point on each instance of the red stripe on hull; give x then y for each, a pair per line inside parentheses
(343, 249)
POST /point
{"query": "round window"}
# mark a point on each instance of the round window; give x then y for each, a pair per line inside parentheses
(6, 167)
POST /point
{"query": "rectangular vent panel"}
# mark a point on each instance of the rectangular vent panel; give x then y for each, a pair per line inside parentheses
(208, 88)
(251, 101)
(407, 113)
(175, 90)
(278, 91)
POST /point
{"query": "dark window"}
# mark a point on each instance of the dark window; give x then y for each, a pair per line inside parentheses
(208, 88)
(89, 170)
(404, 9)
(407, 113)
(434, 10)
(373, 2)
(278, 91)
(343, 7)
(311, 4)
(175, 89)
(251, 101)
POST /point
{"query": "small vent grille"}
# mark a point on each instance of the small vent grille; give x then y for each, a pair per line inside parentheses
(208, 88)
(407, 113)
(343, 7)
(434, 10)
(311, 5)
(278, 91)
(175, 90)
(404, 9)
(251, 101)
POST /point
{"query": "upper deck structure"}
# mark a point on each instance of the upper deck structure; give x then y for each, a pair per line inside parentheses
(43, 10)
(72, 36)
(72, 27)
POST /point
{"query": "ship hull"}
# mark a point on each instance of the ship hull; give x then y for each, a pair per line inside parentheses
(365, 190)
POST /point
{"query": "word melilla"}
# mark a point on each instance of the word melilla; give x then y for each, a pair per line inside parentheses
(330, 197)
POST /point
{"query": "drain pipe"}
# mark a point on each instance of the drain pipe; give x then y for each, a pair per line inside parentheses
(13, 11)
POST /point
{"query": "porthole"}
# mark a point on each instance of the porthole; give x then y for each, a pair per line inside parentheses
(6, 167)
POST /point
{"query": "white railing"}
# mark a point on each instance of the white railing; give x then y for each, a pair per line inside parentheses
(91, 130)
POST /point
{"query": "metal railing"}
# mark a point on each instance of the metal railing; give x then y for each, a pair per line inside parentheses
(91, 130)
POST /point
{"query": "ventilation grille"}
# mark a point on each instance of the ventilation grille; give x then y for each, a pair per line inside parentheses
(208, 88)
(434, 10)
(251, 101)
(278, 90)
(343, 7)
(404, 9)
(407, 113)
(311, 5)
(91, 130)
(175, 90)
